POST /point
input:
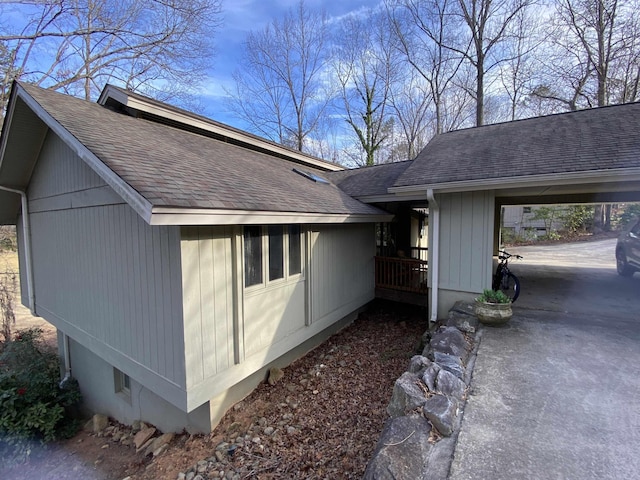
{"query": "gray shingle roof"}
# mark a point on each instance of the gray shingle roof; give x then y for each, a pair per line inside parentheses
(174, 168)
(368, 181)
(587, 140)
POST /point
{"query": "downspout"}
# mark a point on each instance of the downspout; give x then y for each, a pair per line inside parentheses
(26, 234)
(434, 220)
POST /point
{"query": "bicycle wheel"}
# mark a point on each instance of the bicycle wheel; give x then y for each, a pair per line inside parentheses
(510, 286)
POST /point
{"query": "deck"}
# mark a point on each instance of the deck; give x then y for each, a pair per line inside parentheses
(402, 280)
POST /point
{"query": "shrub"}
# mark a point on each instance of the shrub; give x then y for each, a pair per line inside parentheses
(493, 296)
(33, 403)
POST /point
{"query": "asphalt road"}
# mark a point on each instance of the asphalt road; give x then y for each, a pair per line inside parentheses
(556, 393)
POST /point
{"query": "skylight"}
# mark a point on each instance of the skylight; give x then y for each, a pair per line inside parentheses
(311, 176)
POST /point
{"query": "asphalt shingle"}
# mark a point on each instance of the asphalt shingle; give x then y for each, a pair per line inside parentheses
(587, 140)
(174, 168)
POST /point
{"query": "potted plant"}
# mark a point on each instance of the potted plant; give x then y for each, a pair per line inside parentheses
(493, 307)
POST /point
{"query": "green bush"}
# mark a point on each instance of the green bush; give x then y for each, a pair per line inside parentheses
(33, 403)
(493, 296)
(630, 212)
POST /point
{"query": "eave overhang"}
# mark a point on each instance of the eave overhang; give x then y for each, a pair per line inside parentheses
(190, 216)
(610, 176)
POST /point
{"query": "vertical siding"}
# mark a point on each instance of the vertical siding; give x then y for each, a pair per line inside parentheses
(102, 274)
(342, 267)
(66, 174)
(94, 269)
(208, 293)
(466, 233)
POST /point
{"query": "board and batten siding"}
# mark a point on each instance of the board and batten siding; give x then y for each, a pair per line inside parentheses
(208, 301)
(466, 241)
(103, 276)
(342, 269)
(232, 332)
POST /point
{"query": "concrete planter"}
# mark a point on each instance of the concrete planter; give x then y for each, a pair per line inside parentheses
(493, 313)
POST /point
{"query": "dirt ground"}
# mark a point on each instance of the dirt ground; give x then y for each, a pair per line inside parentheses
(321, 420)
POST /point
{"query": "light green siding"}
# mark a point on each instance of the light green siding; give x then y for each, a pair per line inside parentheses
(208, 292)
(465, 244)
(103, 276)
(231, 332)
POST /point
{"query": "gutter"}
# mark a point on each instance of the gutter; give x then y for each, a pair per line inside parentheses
(434, 219)
(26, 234)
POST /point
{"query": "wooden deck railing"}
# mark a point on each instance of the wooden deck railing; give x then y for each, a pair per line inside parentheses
(404, 274)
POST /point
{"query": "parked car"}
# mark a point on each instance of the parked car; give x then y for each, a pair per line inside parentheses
(628, 249)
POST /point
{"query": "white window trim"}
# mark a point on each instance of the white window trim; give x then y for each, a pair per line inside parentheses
(287, 279)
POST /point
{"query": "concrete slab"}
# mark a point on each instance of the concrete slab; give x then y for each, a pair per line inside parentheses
(556, 393)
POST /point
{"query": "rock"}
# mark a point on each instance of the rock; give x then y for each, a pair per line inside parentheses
(190, 476)
(402, 451)
(275, 375)
(198, 477)
(219, 456)
(466, 308)
(159, 442)
(269, 431)
(451, 341)
(143, 437)
(441, 411)
(450, 363)
(418, 364)
(291, 430)
(448, 384)
(160, 451)
(407, 395)
(181, 476)
(135, 426)
(100, 422)
(462, 321)
(429, 376)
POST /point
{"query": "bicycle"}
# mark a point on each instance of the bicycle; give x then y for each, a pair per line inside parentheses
(503, 279)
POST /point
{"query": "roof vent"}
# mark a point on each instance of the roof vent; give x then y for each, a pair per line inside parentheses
(311, 176)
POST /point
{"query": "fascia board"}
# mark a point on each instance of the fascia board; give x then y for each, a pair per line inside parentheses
(6, 127)
(393, 197)
(140, 204)
(499, 183)
(182, 216)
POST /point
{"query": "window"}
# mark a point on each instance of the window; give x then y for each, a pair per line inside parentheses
(295, 250)
(252, 256)
(122, 383)
(276, 252)
(526, 209)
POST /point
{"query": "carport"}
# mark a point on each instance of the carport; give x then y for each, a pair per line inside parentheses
(588, 156)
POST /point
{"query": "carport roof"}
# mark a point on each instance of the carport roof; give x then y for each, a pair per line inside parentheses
(590, 144)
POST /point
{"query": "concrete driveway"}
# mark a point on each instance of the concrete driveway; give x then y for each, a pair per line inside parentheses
(556, 393)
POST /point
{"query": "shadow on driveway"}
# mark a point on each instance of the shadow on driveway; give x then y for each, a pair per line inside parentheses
(556, 393)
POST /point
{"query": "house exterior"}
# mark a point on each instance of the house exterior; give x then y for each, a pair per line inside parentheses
(180, 258)
(521, 221)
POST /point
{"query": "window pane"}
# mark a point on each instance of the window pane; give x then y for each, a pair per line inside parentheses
(295, 255)
(276, 252)
(252, 256)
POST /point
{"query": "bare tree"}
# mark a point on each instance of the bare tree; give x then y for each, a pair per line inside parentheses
(279, 89)
(363, 65)
(427, 33)
(411, 100)
(488, 24)
(161, 47)
(518, 73)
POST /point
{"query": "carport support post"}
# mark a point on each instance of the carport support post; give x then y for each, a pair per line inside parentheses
(434, 250)
(497, 225)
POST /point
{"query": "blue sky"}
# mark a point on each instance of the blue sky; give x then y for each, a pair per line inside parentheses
(239, 18)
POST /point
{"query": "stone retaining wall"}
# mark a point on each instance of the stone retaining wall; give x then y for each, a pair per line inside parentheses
(425, 411)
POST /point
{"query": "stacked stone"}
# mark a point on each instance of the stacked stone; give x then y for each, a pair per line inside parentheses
(427, 399)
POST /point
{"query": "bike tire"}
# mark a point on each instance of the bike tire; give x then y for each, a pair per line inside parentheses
(510, 286)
